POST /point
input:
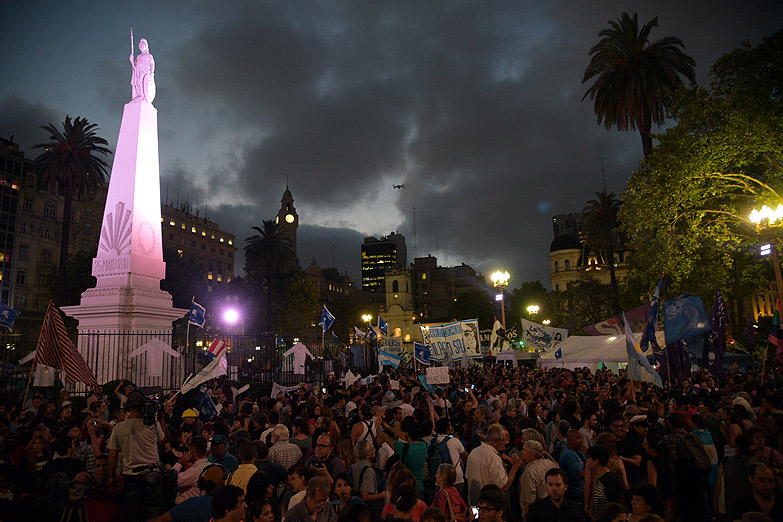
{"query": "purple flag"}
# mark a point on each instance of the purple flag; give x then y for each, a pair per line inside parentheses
(614, 325)
(715, 343)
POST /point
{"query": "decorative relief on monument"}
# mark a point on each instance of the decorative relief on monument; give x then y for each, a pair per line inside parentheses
(145, 236)
(116, 232)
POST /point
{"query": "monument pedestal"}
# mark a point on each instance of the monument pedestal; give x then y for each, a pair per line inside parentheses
(127, 308)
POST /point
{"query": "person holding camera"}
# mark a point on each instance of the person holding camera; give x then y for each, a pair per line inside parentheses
(324, 462)
(136, 439)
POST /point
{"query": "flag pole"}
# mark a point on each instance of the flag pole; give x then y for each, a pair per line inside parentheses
(35, 360)
(669, 368)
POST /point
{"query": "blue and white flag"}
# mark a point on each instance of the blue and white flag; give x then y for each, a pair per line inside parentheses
(383, 326)
(427, 386)
(326, 319)
(421, 352)
(388, 359)
(373, 333)
(366, 381)
(559, 354)
(648, 339)
(639, 368)
(684, 318)
(198, 315)
(207, 409)
(7, 316)
(358, 333)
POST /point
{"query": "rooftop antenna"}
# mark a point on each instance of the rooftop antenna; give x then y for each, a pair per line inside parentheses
(603, 172)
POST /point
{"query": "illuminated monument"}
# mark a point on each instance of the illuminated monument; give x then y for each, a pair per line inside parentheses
(127, 307)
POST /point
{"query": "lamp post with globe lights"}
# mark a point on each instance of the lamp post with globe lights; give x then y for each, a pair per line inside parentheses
(500, 280)
(764, 220)
(533, 309)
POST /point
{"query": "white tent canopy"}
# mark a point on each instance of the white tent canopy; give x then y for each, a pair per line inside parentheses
(588, 351)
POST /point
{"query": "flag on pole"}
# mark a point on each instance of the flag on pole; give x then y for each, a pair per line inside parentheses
(383, 326)
(358, 333)
(326, 319)
(7, 316)
(559, 354)
(639, 368)
(388, 359)
(715, 343)
(373, 333)
(421, 352)
(216, 368)
(55, 349)
(652, 319)
(208, 411)
(198, 315)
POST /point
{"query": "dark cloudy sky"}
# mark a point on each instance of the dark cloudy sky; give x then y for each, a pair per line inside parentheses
(474, 106)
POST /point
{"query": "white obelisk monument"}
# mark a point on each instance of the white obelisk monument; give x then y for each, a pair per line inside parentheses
(127, 306)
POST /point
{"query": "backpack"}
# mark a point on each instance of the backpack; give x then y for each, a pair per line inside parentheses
(437, 454)
(690, 453)
(396, 462)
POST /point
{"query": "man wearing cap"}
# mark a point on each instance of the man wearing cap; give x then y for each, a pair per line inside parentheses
(189, 417)
(282, 451)
(220, 455)
(187, 480)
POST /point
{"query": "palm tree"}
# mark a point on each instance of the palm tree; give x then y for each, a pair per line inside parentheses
(269, 253)
(633, 74)
(599, 225)
(71, 161)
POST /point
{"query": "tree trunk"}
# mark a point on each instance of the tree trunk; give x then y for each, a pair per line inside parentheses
(64, 240)
(269, 301)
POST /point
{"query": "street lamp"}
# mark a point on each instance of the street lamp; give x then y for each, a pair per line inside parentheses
(366, 318)
(546, 322)
(533, 309)
(764, 220)
(500, 279)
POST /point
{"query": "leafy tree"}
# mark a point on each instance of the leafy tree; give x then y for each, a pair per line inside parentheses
(528, 293)
(587, 301)
(632, 76)
(600, 226)
(78, 277)
(269, 253)
(295, 305)
(687, 213)
(71, 161)
(474, 304)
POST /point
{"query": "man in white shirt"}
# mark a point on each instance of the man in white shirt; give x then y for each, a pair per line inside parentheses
(532, 484)
(456, 450)
(187, 480)
(486, 467)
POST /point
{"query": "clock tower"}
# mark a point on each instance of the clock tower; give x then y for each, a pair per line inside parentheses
(287, 218)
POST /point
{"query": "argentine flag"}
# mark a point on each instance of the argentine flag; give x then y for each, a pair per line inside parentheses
(326, 319)
(388, 359)
(639, 368)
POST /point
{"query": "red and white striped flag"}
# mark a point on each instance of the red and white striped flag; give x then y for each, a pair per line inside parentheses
(216, 348)
(55, 349)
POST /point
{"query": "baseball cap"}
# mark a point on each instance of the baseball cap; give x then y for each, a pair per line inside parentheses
(218, 439)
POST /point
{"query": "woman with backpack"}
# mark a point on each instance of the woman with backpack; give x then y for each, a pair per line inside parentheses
(413, 451)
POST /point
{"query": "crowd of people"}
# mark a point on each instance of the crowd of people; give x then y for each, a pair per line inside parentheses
(494, 444)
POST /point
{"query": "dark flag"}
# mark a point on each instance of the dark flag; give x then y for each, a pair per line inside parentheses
(776, 333)
(660, 359)
(715, 343)
(55, 349)
(652, 320)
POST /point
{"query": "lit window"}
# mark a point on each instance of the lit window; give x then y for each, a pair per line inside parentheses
(209, 276)
(221, 239)
(172, 223)
(213, 235)
(228, 280)
(230, 242)
(2, 257)
(204, 233)
(193, 229)
(183, 226)
(220, 278)
(424, 276)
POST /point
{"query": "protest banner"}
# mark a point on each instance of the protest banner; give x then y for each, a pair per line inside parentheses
(438, 375)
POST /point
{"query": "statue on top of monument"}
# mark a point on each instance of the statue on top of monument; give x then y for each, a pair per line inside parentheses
(143, 77)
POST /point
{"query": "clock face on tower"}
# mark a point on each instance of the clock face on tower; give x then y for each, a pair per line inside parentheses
(289, 218)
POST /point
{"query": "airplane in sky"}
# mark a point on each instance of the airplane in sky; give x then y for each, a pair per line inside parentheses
(399, 186)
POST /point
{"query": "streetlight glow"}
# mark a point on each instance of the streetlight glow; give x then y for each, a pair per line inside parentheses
(231, 316)
(533, 309)
(546, 322)
(366, 318)
(500, 279)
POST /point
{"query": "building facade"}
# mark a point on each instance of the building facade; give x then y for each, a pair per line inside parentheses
(288, 219)
(13, 170)
(200, 242)
(380, 255)
(436, 288)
